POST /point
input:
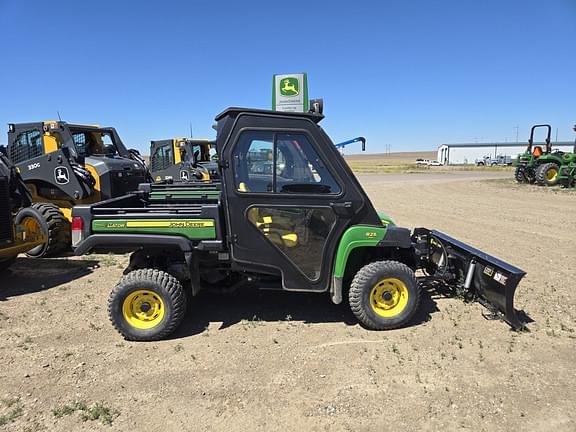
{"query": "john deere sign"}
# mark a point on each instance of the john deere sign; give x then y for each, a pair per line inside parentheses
(290, 92)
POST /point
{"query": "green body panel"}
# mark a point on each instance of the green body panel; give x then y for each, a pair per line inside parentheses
(355, 237)
(193, 229)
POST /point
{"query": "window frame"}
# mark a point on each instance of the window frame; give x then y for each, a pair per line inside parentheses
(288, 131)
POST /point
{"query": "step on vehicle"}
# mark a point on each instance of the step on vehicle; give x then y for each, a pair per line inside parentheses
(19, 227)
(288, 214)
(66, 164)
(183, 159)
(539, 164)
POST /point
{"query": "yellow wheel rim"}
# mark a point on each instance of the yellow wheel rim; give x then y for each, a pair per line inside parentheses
(143, 309)
(552, 174)
(31, 226)
(389, 297)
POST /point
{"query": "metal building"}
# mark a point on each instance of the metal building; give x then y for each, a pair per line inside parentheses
(467, 153)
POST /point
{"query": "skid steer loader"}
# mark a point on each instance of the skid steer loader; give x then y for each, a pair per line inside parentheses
(19, 227)
(288, 214)
(182, 159)
(66, 164)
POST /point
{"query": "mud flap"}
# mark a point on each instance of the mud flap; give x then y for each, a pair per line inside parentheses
(469, 272)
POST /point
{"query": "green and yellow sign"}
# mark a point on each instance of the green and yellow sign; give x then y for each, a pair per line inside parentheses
(290, 92)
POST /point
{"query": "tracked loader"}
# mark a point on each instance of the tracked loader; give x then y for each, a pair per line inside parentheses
(288, 214)
(65, 164)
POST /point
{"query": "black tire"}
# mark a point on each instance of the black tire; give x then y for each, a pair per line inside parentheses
(520, 174)
(6, 262)
(55, 227)
(547, 174)
(164, 287)
(368, 279)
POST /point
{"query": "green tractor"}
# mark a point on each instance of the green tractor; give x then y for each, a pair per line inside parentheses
(567, 174)
(19, 227)
(539, 164)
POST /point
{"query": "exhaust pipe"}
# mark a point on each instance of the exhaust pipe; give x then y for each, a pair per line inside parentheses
(469, 273)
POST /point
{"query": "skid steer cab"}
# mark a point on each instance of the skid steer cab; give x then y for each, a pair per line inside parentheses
(19, 227)
(183, 160)
(65, 164)
(288, 214)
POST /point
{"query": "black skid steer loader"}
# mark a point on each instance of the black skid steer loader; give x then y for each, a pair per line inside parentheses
(66, 164)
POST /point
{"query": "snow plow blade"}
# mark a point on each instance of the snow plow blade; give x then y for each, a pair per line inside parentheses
(469, 273)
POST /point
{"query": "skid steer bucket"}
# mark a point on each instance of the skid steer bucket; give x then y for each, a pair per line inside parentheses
(469, 273)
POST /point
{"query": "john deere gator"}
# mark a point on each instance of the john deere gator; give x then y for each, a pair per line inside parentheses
(288, 214)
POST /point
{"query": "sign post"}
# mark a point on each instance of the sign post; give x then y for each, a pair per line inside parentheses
(290, 92)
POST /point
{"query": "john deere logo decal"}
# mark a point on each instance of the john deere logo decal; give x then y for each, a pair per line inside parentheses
(289, 87)
(61, 175)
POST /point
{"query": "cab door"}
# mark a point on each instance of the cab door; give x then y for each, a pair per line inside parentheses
(287, 204)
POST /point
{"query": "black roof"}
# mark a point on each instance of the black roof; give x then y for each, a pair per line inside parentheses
(232, 111)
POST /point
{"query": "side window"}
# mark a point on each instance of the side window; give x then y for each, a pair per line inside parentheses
(27, 145)
(79, 139)
(280, 163)
(162, 157)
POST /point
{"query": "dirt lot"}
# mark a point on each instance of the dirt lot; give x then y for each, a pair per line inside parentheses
(281, 361)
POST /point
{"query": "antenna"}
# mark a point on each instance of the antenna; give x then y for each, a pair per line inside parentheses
(59, 118)
(191, 136)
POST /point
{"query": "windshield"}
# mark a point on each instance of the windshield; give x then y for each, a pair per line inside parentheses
(93, 142)
(189, 149)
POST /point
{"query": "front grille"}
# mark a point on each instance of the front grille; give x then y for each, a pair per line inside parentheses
(5, 211)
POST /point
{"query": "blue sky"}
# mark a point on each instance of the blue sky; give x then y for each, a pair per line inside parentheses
(411, 74)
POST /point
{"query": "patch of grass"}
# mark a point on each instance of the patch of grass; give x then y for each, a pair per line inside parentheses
(97, 411)
(94, 327)
(108, 260)
(251, 323)
(15, 410)
(178, 348)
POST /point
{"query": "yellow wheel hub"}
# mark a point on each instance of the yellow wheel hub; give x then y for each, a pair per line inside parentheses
(143, 309)
(31, 227)
(389, 297)
(552, 174)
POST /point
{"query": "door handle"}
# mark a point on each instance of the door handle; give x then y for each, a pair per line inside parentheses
(345, 208)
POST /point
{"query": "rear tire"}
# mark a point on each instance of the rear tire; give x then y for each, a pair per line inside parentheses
(384, 295)
(54, 225)
(547, 174)
(147, 305)
(6, 262)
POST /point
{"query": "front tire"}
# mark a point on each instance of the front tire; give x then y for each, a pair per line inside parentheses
(547, 174)
(384, 295)
(147, 305)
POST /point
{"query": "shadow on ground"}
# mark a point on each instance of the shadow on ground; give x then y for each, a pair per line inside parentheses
(269, 306)
(28, 275)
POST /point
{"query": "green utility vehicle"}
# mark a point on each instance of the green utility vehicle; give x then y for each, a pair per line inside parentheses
(542, 165)
(20, 230)
(288, 214)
